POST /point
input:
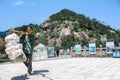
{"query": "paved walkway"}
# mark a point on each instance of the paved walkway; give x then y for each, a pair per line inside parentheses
(65, 69)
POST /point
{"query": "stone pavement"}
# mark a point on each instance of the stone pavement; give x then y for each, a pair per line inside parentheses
(65, 69)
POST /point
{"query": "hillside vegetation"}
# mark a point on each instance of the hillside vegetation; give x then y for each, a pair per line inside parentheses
(67, 28)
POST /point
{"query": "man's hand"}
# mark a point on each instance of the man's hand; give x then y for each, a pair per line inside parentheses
(36, 42)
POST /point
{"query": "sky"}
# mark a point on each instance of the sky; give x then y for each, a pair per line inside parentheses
(14, 13)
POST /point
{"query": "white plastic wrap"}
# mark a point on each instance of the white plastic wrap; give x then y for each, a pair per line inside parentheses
(14, 48)
(18, 46)
(39, 47)
(11, 43)
(11, 56)
(9, 50)
(40, 52)
(12, 37)
(15, 54)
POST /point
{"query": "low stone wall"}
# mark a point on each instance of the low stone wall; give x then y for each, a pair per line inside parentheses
(100, 52)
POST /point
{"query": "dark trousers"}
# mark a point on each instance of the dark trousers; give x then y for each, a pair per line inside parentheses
(57, 54)
(28, 62)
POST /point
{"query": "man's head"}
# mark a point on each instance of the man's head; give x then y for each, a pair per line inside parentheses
(29, 30)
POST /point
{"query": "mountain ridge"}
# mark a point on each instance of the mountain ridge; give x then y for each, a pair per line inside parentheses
(81, 27)
(67, 28)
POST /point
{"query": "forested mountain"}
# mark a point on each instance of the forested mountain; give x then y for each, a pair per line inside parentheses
(67, 28)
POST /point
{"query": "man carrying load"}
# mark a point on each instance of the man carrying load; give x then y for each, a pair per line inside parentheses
(28, 41)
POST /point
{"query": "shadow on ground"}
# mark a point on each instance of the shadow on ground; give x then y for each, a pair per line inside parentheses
(39, 72)
(36, 72)
(22, 77)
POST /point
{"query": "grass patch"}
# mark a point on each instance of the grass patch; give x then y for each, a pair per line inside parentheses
(4, 60)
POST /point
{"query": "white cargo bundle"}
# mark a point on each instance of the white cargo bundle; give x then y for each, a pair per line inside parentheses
(12, 37)
(14, 48)
(15, 54)
(39, 52)
(11, 43)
